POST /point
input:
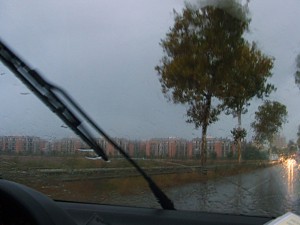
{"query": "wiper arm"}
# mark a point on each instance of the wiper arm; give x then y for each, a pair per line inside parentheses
(45, 92)
(51, 95)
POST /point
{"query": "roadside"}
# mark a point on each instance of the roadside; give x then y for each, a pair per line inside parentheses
(77, 168)
(96, 181)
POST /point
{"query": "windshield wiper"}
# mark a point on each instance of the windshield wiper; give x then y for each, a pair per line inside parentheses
(69, 112)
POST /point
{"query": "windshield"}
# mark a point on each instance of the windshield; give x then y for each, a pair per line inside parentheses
(202, 95)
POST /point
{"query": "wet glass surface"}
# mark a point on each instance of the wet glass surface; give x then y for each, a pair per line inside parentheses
(267, 192)
(104, 55)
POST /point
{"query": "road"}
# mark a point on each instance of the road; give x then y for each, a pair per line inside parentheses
(271, 191)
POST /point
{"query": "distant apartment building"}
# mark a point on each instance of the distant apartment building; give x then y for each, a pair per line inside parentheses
(157, 148)
(109, 149)
(21, 144)
(221, 147)
(169, 148)
(196, 147)
(172, 147)
(66, 145)
(133, 148)
(137, 149)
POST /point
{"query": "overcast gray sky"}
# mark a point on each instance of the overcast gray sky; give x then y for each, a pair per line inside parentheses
(104, 53)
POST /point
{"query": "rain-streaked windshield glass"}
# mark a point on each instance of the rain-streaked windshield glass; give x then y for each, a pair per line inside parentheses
(203, 95)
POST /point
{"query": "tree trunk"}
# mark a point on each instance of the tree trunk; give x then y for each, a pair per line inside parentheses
(239, 141)
(203, 145)
(270, 148)
(204, 130)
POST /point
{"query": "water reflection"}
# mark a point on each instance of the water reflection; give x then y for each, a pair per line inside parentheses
(271, 192)
(239, 194)
(290, 164)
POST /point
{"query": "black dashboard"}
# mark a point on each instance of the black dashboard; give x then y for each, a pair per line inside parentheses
(22, 205)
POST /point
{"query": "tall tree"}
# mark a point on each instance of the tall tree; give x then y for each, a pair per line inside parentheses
(297, 73)
(298, 136)
(198, 52)
(297, 81)
(291, 147)
(248, 79)
(269, 118)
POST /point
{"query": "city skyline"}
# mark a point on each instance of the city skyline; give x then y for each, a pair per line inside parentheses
(170, 147)
(156, 147)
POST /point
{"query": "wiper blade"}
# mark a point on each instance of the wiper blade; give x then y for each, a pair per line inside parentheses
(52, 96)
(45, 92)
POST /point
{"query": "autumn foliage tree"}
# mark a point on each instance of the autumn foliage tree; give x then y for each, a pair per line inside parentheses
(269, 118)
(248, 79)
(199, 51)
(297, 81)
